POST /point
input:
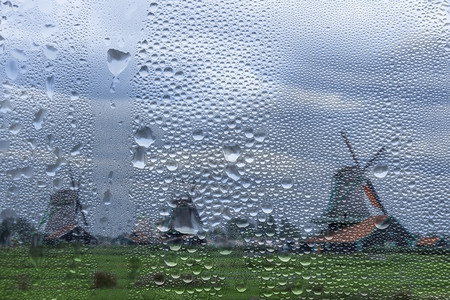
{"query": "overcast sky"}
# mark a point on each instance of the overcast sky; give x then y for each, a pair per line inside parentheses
(273, 82)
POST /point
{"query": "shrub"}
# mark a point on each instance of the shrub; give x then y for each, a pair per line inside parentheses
(401, 295)
(104, 280)
(23, 281)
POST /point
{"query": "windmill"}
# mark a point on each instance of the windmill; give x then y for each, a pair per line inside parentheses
(61, 216)
(184, 219)
(347, 203)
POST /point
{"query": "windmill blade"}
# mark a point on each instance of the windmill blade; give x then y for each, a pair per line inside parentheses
(370, 162)
(369, 189)
(70, 173)
(79, 207)
(351, 149)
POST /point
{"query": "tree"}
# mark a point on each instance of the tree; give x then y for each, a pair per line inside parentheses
(268, 228)
(24, 229)
(19, 227)
(238, 228)
(288, 230)
(6, 231)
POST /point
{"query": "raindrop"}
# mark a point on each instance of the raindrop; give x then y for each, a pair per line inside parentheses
(308, 227)
(231, 152)
(117, 61)
(226, 252)
(15, 128)
(107, 197)
(144, 137)
(179, 75)
(143, 71)
(11, 69)
(383, 224)
(267, 207)
(170, 260)
(380, 171)
(233, 172)
(4, 146)
(50, 52)
(198, 135)
(76, 150)
(260, 135)
(50, 84)
(241, 286)
(168, 72)
(74, 96)
(159, 279)
(287, 182)
(39, 118)
(19, 54)
(171, 165)
(139, 159)
(153, 7)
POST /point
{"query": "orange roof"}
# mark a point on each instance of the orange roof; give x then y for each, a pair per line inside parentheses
(139, 237)
(428, 241)
(61, 232)
(351, 233)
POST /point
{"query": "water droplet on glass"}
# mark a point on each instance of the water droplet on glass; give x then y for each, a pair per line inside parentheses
(168, 72)
(143, 71)
(231, 152)
(39, 118)
(107, 197)
(380, 171)
(385, 223)
(144, 137)
(198, 135)
(171, 165)
(267, 207)
(11, 69)
(4, 146)
(50, 52)
(117, 61)
(287, 182)
(233, 172)
(139, 159)
(179, 75)
(50, 84)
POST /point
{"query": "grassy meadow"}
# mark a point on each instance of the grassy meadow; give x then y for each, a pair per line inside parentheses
(145, 272)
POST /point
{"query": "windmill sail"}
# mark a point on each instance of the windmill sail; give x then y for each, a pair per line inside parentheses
(369, 189)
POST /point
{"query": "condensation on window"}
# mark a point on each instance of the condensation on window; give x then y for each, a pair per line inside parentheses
(224, 149)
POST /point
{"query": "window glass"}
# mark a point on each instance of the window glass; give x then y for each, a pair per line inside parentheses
(224, 149)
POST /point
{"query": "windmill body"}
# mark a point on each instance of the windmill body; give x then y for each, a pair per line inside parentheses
(347, 202)
(63, 211)
(185, 218)
(183, 223)
(351, 189)
(350, 225)
(61, 217)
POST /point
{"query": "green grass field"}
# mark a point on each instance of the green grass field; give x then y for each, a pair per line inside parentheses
(144, 272)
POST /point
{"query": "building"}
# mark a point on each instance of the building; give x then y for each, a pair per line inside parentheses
(71, 233)
(375, 231)
(433, 241)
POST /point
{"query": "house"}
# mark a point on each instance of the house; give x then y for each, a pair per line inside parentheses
(375, 231)
(433, 241)
(71, 233)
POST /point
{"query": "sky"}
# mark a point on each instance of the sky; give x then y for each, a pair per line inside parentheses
(239, 98)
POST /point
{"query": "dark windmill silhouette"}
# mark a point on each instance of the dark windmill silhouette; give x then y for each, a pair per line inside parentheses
(350, 226)
(184, 221)
(350, 188)
(61, 216)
